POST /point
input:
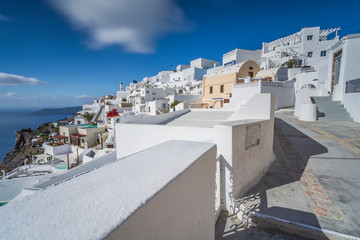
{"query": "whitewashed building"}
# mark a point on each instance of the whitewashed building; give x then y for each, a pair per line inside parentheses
(344, 74)
(241, 55)
(309, 47)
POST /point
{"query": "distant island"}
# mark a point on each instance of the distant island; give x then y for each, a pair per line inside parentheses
(58, 111)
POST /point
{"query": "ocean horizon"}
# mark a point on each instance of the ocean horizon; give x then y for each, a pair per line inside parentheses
(12, 120)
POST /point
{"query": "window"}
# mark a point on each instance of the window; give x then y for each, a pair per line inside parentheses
(153, 93)
(211, 90)
(222, 89)
(310, 54)
(309, 37)
(147, 91)
(273, 48)
(323, 54)
(251, 74)
(251, 68)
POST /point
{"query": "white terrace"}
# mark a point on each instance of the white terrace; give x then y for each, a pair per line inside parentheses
(170, 177)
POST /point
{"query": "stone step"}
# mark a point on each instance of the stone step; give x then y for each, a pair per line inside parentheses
(329, 109)
(329, 104)
(328, 113)
(335, 119)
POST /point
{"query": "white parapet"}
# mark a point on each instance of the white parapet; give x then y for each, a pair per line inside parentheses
(164, 192)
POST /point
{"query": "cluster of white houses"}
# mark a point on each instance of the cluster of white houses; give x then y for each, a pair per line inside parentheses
(311, 62)
(232, 135)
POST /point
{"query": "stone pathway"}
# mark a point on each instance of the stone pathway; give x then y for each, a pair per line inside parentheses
(314, 180)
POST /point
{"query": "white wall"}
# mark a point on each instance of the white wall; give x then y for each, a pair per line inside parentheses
(151, 94)
(243, 167)
(131, 138)
(9, 189)
(284, 96)
(62, 149)
(241, 93)
(204, 63)
(163, 193)
(350, 70)
(182, 210)
(91, 108)
(158, 119)
(241, 55)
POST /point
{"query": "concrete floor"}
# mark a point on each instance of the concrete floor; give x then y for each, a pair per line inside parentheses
(315, 178)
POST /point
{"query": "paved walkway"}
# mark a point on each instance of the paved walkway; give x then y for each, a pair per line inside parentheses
(315, 179)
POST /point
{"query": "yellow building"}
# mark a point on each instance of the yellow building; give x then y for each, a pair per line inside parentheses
(218, 83)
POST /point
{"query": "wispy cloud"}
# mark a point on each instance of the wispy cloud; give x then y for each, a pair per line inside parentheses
(3, 18)
(135, 25)
(16, 80)
(8, 95)
(83, 96)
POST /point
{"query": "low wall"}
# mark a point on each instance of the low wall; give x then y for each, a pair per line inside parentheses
(261, 106)
(245, 146)
(241, 93)
(182, 210)
(161, 193)
(158, 119)
(284, 96)
(131, 138)
(351, 103)
(284, 92)
(242, 167)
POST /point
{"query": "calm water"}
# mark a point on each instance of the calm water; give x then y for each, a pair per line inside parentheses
(14, 120)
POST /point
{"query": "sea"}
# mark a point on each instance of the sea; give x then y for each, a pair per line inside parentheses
(12, 120)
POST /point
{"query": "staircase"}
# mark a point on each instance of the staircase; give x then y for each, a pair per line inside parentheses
(329, 110)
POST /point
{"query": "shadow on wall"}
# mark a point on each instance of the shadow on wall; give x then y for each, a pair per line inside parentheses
(287, 168)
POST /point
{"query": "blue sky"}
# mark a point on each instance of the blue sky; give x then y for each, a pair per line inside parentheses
(56, 53)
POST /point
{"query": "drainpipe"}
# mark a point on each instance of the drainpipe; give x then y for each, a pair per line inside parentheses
(3, 174)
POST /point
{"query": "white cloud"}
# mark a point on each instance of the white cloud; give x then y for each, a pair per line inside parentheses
(83, 96)
(15, 80)
(8, 95)
(134, 24)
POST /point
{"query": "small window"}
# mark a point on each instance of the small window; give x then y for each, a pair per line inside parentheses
(147, 91)
(251, 68)
(211, 90)
(273, 48)
(323, 53)
(310, 54)
(153, 93)
(222, 89)
(309, 37)
(251, 74)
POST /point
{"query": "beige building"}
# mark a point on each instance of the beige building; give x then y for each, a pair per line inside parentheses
(217, 85)
(84, 136)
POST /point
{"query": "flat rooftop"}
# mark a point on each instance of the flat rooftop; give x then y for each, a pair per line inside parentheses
(201, 118)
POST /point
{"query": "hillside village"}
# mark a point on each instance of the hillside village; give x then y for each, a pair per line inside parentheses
(200, 113)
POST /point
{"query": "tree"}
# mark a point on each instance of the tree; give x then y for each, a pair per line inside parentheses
(176, 102)
(88, 116)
